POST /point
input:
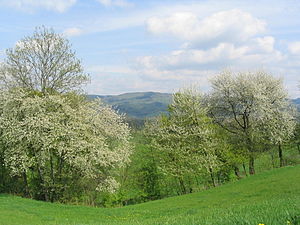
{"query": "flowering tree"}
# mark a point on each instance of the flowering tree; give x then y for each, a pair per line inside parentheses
(280, 127)
(254, 107)
(186, 137)
(42, 62)
(52, 140)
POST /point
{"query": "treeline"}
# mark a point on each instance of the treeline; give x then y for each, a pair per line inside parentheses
(55, 145)
(209, 139)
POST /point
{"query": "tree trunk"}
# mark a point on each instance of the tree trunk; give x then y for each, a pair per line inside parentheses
(3, 174)
(251, 165)
(298, 147)
(251, 156)
(219, 181)
(212, 177)
(26, 190)
(272, 159)
(237, 172)
(43, 185)
(245, 171)
(281, 161)
(182, 186)
(190, 187)
(53, 188)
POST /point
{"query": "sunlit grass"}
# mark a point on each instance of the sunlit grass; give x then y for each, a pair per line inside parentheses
(269, 198)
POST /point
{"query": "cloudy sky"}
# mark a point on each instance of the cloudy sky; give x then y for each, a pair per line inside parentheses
(162, 45)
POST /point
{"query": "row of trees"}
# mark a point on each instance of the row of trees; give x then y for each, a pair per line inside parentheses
(244, 115)
(57, 146)
(206, 140)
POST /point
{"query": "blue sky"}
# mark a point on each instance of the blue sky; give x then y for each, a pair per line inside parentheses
(151, 45)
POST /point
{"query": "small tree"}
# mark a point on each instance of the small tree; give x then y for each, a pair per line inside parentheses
(43, 62)
(281, 127)
(252, 106)
(186, 138)
(51, 141)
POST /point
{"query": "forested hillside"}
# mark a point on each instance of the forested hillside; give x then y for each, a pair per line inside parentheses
(296, 101)
(138, 105)
(141, 105)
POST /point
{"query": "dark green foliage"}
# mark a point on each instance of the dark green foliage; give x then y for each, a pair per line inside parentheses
(141, 181)
(8, 184)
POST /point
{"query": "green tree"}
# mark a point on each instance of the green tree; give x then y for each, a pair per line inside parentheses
(186, 138)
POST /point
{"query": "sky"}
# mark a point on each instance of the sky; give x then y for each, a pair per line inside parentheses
(164, 45)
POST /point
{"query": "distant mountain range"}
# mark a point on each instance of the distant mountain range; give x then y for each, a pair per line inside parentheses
(296, 101)
(142, 105)
(139, 104)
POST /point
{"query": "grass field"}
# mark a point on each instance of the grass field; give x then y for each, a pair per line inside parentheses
(269, 198)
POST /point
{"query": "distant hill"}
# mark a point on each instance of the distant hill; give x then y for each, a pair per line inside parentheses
(296, 101)
(139, 104)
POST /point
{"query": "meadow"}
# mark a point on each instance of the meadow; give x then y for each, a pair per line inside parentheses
(269, 198)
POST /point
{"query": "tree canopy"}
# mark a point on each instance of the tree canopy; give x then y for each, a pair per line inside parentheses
(254, 107)
(186, 137)
(43, 62)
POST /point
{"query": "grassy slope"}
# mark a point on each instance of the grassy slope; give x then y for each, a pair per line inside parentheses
(272, 197)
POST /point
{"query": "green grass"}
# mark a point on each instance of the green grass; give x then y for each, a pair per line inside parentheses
(264, 161)
(269, 198)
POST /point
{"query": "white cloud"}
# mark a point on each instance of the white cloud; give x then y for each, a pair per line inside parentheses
(294, 48)
(208, 40)
(117, 3)
(111, 79)
(100, 69)
(237, 47)
(187, 66)
(230, 26)
(193, 66)
(264, 44)
(223, 39)
(257, 52)
(73, 31)
(32, 5)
